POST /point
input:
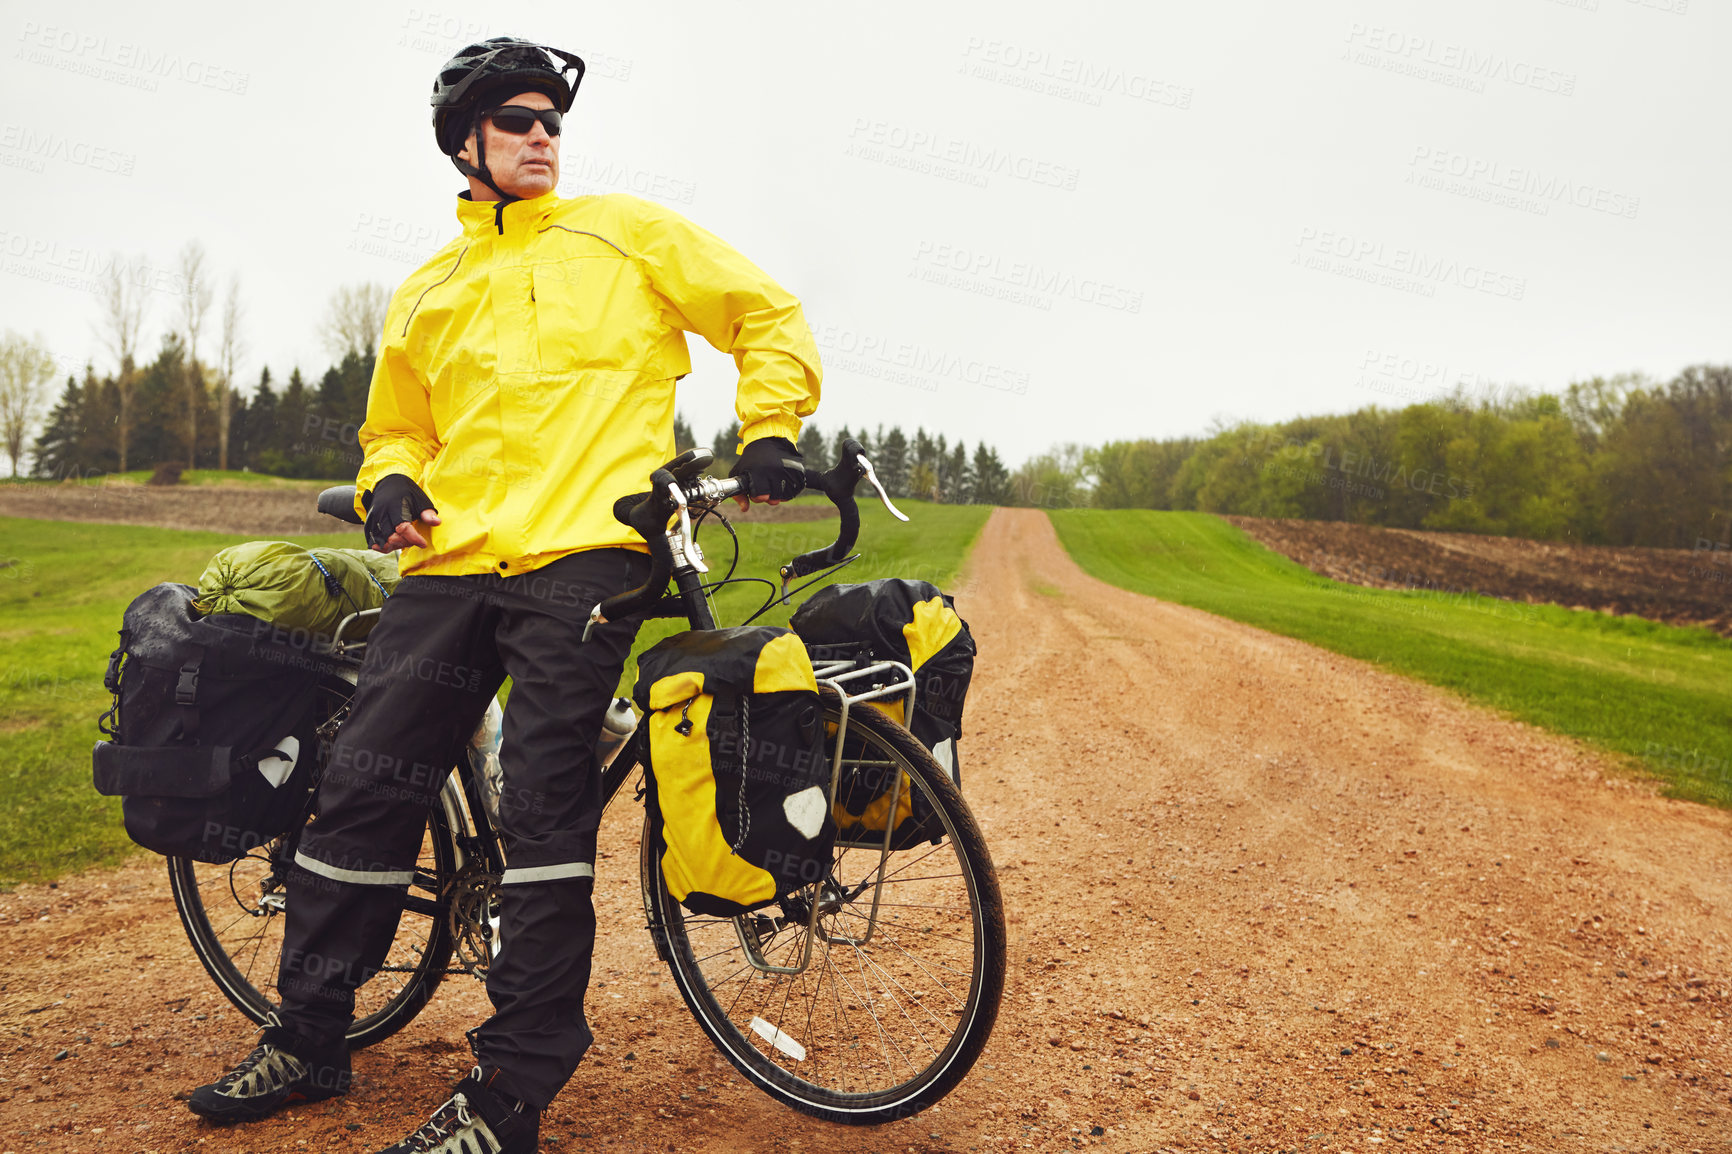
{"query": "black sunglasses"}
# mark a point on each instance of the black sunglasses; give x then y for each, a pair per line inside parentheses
(517, 120)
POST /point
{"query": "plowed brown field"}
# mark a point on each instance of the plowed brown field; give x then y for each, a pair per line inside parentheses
(1260, 898)
(1677, 586)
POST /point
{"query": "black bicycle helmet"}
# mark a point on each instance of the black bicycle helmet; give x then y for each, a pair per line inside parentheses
(500, 67)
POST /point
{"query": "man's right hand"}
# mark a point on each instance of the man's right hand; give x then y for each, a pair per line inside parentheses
(396, 509)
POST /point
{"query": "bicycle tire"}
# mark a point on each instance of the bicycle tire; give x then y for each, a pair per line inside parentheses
(244, 967)
(765, 1056)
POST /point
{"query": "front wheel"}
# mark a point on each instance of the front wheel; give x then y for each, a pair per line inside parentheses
(899, 997)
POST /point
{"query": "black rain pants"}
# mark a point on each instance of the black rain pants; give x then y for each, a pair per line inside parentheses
(437, 657)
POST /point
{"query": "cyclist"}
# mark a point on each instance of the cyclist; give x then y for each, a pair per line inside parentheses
(525, 380)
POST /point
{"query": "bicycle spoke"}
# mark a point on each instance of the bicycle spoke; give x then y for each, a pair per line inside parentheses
(888, 1001)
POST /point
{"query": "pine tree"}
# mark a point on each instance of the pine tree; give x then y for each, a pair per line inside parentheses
(959, 480)
(814, 448)
(57, 451)
(892, 462)
(683, 438)
(342, 395)
(159, 422)
(723, 446)
(284, 452)
(923, 473)
(254, 422)
(991, 478)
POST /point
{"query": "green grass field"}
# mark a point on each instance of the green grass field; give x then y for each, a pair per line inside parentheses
(1657, 693)
(64, 585)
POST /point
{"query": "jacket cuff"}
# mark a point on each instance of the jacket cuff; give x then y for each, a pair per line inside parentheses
(777, 426)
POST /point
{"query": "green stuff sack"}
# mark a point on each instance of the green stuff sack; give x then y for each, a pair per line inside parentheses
(296, 588)
(738, 782)
(896, 619)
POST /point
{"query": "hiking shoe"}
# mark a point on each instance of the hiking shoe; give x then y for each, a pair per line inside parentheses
(267, 1078)
(475, 1120)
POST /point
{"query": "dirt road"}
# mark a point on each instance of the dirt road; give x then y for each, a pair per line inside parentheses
(1261, 898)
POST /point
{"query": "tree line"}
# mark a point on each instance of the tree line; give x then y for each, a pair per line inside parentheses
(924, 466)
(299, 430)
(305, 430)
(1619, 461)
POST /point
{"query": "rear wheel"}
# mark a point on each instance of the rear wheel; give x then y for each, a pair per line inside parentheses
(896, 1004)
(234, 914)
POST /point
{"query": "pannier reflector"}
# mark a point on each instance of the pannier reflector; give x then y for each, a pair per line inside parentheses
(276, 765)
(805, 810)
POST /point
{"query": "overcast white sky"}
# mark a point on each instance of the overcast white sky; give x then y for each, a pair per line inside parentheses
(1028, 223)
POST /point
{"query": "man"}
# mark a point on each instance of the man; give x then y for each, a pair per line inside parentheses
(525, 380)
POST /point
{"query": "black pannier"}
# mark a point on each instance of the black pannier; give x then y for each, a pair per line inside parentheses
(896, 619)
(213, 743)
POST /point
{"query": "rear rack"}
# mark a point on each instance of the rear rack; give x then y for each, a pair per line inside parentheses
(352, 651)
(835, 674)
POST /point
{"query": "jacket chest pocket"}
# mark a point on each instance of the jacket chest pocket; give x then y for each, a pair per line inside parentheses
(592, 313)
(511, 292)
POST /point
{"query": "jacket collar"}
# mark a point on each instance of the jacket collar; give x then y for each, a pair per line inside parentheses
(477, 216)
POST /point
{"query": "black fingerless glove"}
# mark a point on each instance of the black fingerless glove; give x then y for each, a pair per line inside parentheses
(773, 468)
(394, 500)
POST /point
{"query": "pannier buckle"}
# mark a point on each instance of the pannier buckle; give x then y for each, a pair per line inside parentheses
(186, 689)
(111, 679)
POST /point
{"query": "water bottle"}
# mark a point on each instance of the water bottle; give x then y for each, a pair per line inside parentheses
(483, 754)
(483, 751)
(616, 726)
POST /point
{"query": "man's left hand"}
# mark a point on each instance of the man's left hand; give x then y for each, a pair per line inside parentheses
(773, 471)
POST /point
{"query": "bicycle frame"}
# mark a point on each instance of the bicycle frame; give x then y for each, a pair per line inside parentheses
(676, 548)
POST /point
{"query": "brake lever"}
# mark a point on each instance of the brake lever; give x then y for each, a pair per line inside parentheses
(688, 547)
(872, 479)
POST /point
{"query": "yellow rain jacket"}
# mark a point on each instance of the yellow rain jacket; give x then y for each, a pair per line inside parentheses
(526, 380)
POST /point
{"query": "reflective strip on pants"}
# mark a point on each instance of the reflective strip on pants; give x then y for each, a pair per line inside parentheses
(548, 873)
(354, 877)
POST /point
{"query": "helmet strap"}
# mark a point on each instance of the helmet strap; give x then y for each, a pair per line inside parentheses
(480, 172)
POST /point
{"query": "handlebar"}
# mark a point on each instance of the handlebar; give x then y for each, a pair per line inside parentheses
(673, 489)
(679, 483)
